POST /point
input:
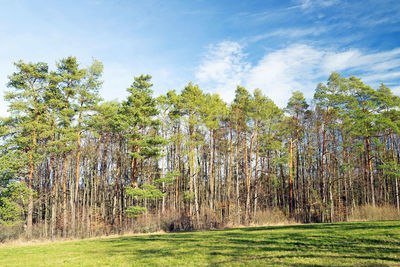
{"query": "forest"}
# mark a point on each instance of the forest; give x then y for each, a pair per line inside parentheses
(73, 165)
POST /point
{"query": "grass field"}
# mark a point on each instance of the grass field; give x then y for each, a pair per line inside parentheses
(341, 244)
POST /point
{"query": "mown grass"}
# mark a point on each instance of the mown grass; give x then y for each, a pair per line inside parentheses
(340, 244)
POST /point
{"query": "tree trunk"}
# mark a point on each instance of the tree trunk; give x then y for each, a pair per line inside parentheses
(238, 219)
(370, 171)
(65, 218)
(256, 178)
(290, 178)
(229, 179)
(29, 218)
(74, 205)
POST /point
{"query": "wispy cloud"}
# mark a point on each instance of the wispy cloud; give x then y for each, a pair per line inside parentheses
(282, 71)
(289, 33)
(368, 13)
(224, 66)
(310, 5)
(296, 67)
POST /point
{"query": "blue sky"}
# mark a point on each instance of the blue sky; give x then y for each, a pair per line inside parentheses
(277, 46)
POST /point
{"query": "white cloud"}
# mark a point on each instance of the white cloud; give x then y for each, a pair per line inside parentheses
(296, 67)
(381, 77)
(355, 60)
(280, 72)
(289, 33)
(305, 4)
(340, 60)
(224, 66)
(396, 90)
(310, 4)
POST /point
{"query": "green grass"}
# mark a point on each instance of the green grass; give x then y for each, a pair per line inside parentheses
(340, 244)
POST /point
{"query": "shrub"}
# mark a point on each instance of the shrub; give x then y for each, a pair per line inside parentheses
(13, 203)
(177, 223)
(147, 223)
(10, 232)
(371, 213)
(271, 217)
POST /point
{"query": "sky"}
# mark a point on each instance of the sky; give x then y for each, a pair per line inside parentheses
(276, 46)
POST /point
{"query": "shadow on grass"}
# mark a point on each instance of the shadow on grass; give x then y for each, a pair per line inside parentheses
(364, 242)
(328, 226)
(310, 256)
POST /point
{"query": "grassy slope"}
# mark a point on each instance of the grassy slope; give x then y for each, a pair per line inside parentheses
(354, 244)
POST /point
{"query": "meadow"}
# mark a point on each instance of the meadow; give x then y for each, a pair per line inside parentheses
(335, 244)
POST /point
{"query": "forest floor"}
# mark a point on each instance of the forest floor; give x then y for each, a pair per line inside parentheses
(336, 244)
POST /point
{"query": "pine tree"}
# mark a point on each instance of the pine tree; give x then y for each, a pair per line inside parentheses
(27, 121)
(87, 98)
(213, 111)
(329, 99)
(296, 108)
(67, 79)
(362, 115)
(192, 99)
(140, 111)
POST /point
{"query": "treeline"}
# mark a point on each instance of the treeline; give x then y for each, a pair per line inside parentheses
(74, 165)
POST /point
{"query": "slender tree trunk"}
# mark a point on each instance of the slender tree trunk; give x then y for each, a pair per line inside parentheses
(248, 170)
(163, 198)
(256, 178)
(116, 182)
(370, 171)
(193, 176)
(30, 180)
(269, 195)
(30, 197)
(229, 181)
(65, 217)
(397, 194)
(213, 194)
(210, 172)
(134, 170)
(54, 198)
(238, 219)
(324, 159)
(104, 166)
(178, 180)
(78, 157)
(163, 174)
(396, 179)
(290, 177)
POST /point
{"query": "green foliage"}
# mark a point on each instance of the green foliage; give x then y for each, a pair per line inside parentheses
(27, 123)
(72, 95)
(107, 118)
(135, 211)
(145, 192)
(297, 103)
(168, 178)
(12, 163)
(240, 107)
(390, 168)
(192, 100)
(266, 118)
(362, 108)
(213, 111)
(188, 195)
(174, 100)
(13, 203)
(332, 94)
(138, 114)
